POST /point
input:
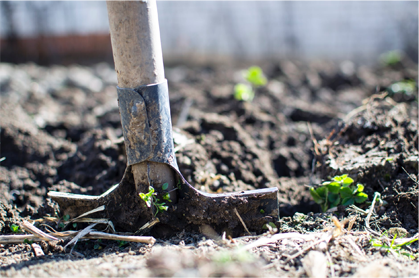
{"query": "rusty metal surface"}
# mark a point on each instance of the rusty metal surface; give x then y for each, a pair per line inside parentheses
(192, 210)
(122, 205)
(146, 124)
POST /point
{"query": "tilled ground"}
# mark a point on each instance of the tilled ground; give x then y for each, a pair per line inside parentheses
(60, 131)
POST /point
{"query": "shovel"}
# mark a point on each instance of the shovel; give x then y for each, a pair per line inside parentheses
(152, 189)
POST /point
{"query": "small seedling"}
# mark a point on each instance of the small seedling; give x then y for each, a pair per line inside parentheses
(338, 191)
(64, 219)
(406, 87)
(255, 78)
(27, 241)
(148, 197)
(391, 58)
(151, 197)
(15, 228)
(243, 92)
(397, 248)
(166, 197)
(122, 243)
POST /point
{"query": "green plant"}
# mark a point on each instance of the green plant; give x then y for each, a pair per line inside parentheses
(64, 219)
(397, 248)
(243, 92)
(98, 245)
(15, 228)
(122, 243)
(391, 57)
(407, 87)
(27, 241)
(338, 191)
(255, 78)
(151, 197)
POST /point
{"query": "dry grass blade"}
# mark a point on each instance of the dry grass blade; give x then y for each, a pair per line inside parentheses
(101, 208)
(371, 209)
(275, 238)
(37, 232)
(325, 238)
(80, 234)
(141, 239)
(95, 220)
(9, 239)
(241, 220)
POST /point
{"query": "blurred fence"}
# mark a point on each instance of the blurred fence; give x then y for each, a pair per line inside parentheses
(66, 31)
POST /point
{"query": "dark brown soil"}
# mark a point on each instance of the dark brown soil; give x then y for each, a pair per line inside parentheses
(60, 131)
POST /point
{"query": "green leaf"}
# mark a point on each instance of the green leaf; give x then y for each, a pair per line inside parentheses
(334, 200)
(346, 192)
(165, 186)
(322, 191)
(391, 57)
(66, 217)
(316, 196)
(361, 197)
(360, 187)
(166, 196)
(15, 228)
(347, 201)
(347, 181)
(334, 187)
(27, 241)
(340, 178)
(163, 208)
(243, 92)
(333, 197)
(74, 225)
(255, 76)
(146, 198)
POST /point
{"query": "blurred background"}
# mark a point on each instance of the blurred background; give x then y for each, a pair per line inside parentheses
(66, 32)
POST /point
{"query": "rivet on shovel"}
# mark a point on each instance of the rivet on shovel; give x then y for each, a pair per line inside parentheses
(147, 129)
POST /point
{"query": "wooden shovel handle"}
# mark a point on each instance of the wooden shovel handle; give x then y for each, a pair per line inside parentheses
(136, 46)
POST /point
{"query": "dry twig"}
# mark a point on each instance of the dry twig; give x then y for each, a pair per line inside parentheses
(241, 220)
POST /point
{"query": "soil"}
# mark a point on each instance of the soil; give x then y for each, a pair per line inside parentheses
(61, 131)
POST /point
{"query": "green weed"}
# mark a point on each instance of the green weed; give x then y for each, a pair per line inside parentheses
(15, 228)
(122, 243)
(391, 58)
(406, 87)
(151, 197)
(243, 92)
(338, 191)
(397, 248)
(27, 241)
(255, 78)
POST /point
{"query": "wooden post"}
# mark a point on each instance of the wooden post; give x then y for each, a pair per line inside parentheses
(136, 47)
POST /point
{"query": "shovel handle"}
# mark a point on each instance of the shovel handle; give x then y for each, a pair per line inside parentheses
(136, 46)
